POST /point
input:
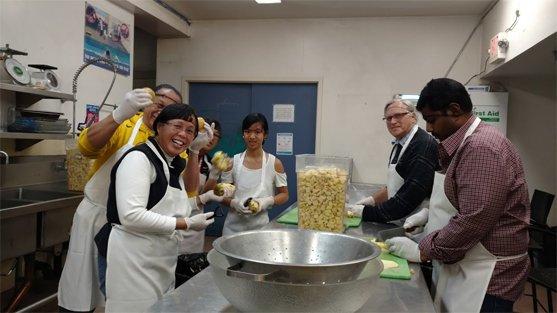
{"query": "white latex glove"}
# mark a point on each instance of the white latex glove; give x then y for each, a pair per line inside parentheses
(200, 221)
(238, 206)
(134, 101)
(367, 201)
(210, 196)
(214, 173)
(405, 248)
(355, 209)
(202, 138)
(415, 220)
(265, 203)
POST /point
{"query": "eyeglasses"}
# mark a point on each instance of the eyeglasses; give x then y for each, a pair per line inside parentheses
(189, 130)
(431, 118)
(160, 95)
(397, 116)
(248, 132)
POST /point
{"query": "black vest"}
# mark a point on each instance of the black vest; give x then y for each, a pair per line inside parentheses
(157, 189)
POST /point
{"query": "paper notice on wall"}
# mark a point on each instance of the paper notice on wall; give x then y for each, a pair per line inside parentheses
(285, 143)
(283, 113)
(491, 108)
(488, 113)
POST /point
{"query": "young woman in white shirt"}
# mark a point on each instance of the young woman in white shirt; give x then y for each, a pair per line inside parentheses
(257, 175)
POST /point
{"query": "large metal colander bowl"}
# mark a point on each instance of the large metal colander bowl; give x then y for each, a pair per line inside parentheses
(297, 256)
(294, 247)
(248, 294)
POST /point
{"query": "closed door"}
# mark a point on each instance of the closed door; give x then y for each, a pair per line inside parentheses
(230, 103)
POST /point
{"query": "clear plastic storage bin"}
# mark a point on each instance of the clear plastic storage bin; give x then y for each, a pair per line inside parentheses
(78, 166)
(322, 183)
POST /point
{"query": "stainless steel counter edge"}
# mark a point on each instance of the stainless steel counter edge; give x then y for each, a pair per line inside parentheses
(41, 206)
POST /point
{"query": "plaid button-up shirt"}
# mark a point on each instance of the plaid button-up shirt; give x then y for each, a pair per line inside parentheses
(485, 182)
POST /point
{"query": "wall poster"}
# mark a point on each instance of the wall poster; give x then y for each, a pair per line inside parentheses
(107, 36)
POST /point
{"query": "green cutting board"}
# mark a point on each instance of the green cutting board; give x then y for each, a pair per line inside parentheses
(291, 217)
(400, 272)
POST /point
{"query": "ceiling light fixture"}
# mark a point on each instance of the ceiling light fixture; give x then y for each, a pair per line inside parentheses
(267, 1)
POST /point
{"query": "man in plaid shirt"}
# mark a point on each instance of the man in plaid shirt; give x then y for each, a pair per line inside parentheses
(477, 226)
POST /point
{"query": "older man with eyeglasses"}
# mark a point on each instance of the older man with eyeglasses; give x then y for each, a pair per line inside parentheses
(411, 169)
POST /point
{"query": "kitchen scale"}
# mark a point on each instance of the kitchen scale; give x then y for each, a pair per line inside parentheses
(45, 78)
(11, 70)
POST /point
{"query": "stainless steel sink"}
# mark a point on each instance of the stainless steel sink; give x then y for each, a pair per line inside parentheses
(10, 203)
(31, 195)
(35, 198)
(45, 211)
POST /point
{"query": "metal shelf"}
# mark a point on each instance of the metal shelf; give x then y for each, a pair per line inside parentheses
(44, 94)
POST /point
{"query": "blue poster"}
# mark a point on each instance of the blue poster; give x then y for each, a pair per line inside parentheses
(106, 36)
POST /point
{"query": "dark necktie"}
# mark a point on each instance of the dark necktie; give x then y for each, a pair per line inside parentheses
(396, 150)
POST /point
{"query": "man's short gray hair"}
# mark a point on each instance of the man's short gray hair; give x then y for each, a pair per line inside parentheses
(409, 105)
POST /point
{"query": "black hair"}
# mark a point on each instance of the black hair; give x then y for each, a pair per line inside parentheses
(89, 10)
(176, 111)
(439, 93)
(253, 118)
(168, 86)
(217, 124)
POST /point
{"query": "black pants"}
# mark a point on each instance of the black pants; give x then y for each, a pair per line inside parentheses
(495, 304)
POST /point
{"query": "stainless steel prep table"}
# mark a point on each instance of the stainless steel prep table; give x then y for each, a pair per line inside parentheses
(200, 294)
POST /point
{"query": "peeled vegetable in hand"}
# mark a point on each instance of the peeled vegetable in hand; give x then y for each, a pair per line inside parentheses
(151, 93)
(252, 205)
(321, 198)
(201, 124)
(220, 160)
(222, 189)
(384, 247)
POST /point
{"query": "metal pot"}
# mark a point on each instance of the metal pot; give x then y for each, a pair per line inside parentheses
(294, 270)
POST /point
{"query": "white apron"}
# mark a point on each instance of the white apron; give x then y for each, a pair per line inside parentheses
(254, 184)
(460, 287)
(141, 265)
(395, 181)
(193, 240)
(78, 289)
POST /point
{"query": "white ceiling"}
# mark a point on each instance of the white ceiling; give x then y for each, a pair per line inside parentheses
(248, 9)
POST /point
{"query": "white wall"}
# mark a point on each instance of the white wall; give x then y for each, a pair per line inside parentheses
(361, 62)
(532, 100)
(532, 129)
(536, 22)
(52, 33)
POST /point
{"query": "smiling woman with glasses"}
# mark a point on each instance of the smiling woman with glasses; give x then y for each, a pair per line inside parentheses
(105, 142)
(147, 208)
